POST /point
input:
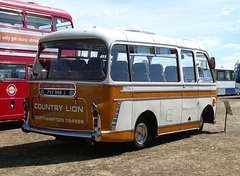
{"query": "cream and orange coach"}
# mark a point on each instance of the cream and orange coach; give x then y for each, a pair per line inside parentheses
(119, 86)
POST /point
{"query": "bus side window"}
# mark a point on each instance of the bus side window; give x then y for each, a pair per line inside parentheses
(119, 65)
(140, 59)
(11, 18)
(188, 66)
(164, 66)
(220, 75)
(34, 21)
(61, 24)
(204, 71)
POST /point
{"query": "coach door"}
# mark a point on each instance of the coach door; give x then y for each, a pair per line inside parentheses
(205, 80)
(190, 91)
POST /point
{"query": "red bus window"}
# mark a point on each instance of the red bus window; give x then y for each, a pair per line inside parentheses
(61, 24)
(34, 21)
(12, 71)
(11, 18)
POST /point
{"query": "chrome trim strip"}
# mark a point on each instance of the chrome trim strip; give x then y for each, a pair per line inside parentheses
(173, 125)
(162, 91)
(160, 84)
(161, 98)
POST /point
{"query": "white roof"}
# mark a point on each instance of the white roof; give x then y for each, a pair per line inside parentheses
(224, 69)
(112, 35)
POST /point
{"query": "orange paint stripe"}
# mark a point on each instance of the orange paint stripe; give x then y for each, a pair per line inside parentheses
(176, 128)
(162, 130)
(189, 126)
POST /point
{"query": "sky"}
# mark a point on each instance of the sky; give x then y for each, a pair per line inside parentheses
(213, 23)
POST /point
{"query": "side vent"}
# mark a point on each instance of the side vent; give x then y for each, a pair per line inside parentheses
(115, 118)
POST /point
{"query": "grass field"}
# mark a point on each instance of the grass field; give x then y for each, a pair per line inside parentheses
(210, 153)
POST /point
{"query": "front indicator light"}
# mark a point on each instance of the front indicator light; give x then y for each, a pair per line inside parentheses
(214, 102)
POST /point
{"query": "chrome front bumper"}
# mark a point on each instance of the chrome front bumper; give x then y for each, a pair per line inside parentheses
(95, 136)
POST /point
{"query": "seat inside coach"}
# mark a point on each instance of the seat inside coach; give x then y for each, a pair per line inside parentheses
(140, 72)
(78, 68)
(60, 69)
(63, 68)
(170, 74)
(156, 73)
(119, 71)
(95, 69)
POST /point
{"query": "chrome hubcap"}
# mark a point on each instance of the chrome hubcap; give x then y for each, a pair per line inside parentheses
(141, 133)
(201, 122)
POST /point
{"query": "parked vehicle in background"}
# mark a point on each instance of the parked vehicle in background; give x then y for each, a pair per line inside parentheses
(237, 85)
(226, 80)
(119, 86)
(21, 26)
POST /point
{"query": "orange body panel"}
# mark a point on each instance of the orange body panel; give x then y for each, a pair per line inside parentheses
(169, 129)
(101, 95)
(189, 126)
(125, 136)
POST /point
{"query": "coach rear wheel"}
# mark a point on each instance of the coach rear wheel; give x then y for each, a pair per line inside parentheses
(201, 123)
(141, 135)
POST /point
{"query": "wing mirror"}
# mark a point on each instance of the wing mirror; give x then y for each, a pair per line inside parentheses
(212, 63)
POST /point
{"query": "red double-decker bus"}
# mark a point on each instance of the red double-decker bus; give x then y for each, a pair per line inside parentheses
(21, 26)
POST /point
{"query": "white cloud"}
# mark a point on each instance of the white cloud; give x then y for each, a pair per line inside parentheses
(226, 11)
(231, 45)
(114, 12)
(209, 43)
(235, 26)
(228, 61)
(231, 58)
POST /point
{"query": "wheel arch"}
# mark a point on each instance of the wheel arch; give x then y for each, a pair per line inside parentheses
(152, 121)
(208, 114)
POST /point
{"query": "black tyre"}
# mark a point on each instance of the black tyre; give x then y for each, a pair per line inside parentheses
(141, 135)
(201, 124)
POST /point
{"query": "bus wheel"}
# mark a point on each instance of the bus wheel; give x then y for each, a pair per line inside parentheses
(201, 124)
(141, 135)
